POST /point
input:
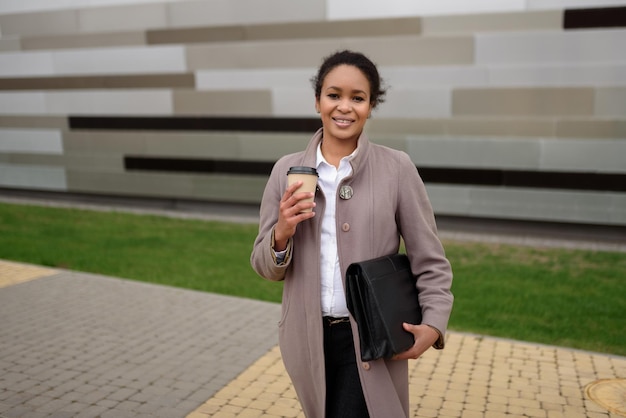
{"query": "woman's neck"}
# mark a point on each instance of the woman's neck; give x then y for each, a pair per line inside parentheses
(333, 150)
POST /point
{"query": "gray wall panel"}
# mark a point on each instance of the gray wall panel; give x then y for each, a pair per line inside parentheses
(32, 177)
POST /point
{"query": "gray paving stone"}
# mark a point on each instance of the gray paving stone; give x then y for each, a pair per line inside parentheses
(87, 346)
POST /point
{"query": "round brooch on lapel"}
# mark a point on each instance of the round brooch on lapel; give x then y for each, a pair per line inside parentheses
(345, 192)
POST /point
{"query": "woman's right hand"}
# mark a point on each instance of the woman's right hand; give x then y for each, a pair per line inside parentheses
(290, 215)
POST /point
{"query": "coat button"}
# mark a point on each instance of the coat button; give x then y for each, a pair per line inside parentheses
(345, 227)
(366, 366)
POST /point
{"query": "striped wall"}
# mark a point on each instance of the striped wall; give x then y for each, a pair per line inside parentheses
(511, 109)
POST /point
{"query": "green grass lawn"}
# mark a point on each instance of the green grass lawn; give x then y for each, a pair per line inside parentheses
(571, 298)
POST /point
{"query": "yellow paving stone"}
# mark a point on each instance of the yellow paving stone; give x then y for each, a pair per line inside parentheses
(270, 397)
(449, 413)
(240, 401)
(491, 379)
(525, 403)
(475, 407)
(572, 412)
(250, 413)
(12, 273)
(535, 413)
(432, 401)
(455, 396)
(260, 405)
(453, 406)
(575, 401)
(471, 414)
(496, 406)
(231, 409)
(427, 413)
(283, 411)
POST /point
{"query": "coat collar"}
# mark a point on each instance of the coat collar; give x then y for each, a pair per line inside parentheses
(310, 153)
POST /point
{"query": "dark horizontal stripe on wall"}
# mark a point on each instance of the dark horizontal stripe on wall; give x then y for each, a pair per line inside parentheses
(609, 17)
(531, 179)
(200, 123)
(482, 177)
(99, 82)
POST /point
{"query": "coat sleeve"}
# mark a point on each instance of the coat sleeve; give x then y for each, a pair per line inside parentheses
(416, 222)
(263, 259)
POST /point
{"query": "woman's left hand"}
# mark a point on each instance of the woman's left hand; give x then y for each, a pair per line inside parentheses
(425, 337)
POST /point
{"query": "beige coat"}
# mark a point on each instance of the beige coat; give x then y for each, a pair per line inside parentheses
(389, 201)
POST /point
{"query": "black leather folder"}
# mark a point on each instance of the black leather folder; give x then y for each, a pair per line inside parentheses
(381, 295)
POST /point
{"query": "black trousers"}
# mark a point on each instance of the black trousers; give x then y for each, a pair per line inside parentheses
(344, 395)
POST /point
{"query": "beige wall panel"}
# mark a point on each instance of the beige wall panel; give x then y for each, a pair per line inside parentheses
(123, 18)
(271, 54)
(393, 50)
(195, 35)
(106, 142)
(518, 127)
(79, 162)
(100, 163)
(193, 145)
(113, 102)
(270, 146)
(33, 159)
(484, 22)
(10, 44)
(610, 102)
(591, 128)
(131, 183)
(153, 143)
(58, 122)
(40, 23)
(335, 29)
(523, 102)
(84, 40)
(240, 189)
(222, 103)
(380, 126)
(300, 30)
(99, 82)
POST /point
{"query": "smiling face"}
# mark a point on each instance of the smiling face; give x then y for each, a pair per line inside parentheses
(344, 103)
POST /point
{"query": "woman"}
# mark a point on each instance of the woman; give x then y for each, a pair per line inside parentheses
(368, 198)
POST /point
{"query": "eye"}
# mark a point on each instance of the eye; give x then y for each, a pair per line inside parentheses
(333, 96)
(358, 99)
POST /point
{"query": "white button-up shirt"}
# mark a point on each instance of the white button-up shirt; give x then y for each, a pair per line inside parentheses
(333, 295)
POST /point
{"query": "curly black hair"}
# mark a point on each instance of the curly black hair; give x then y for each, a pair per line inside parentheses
(358, 60)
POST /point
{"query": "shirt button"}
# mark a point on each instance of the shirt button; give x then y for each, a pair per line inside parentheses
(366, 366)
(345, 227)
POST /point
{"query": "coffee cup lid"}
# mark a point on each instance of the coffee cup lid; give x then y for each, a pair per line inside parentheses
(302, 170)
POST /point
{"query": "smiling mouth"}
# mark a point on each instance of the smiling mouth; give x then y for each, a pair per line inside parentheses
(343, 121)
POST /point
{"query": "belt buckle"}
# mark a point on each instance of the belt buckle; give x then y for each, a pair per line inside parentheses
(335, 321)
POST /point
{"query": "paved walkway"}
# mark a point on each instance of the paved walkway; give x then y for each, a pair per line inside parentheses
(83, 345)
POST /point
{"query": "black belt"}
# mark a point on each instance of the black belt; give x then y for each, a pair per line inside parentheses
(331, 320)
